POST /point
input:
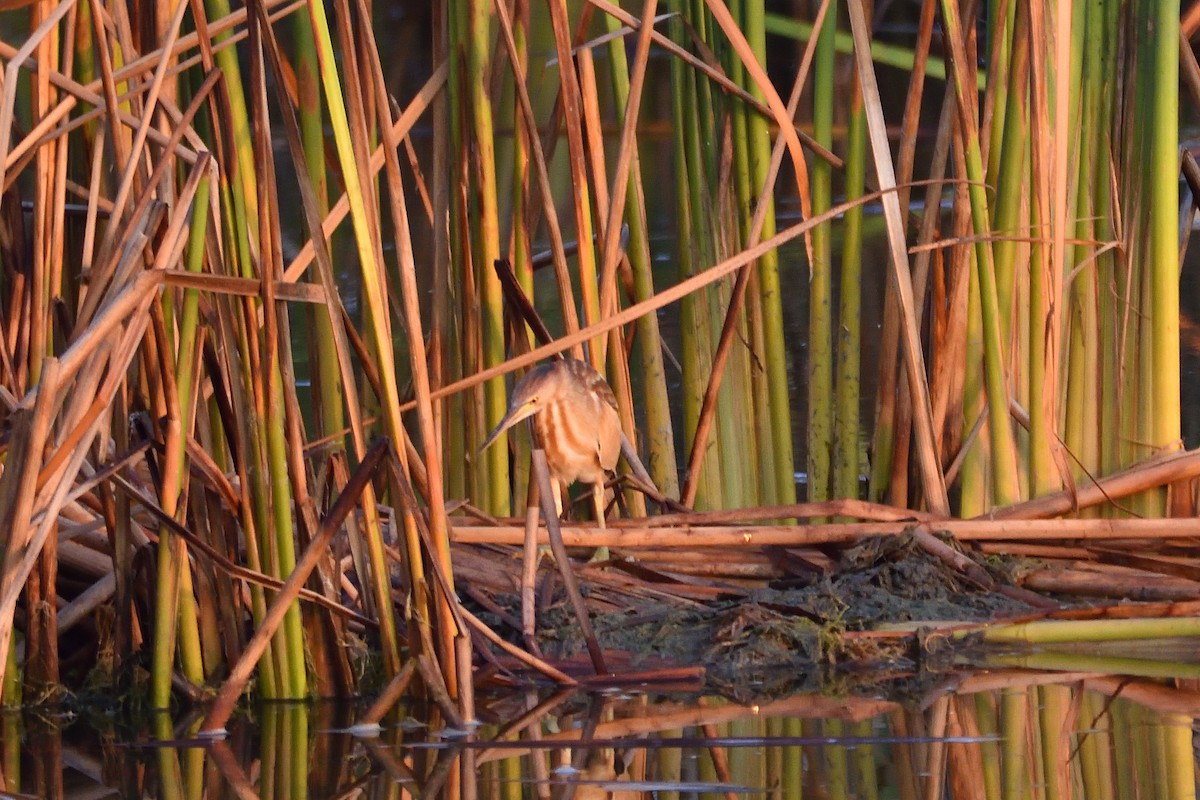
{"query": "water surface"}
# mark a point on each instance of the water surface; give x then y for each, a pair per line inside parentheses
(1009, 733)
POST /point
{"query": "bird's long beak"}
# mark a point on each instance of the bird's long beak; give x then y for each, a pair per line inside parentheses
(514, 415)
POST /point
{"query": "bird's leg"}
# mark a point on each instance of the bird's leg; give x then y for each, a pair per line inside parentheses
(557, 490)
(598, 503)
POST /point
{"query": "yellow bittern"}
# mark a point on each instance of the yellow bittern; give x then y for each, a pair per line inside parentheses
(575, 422)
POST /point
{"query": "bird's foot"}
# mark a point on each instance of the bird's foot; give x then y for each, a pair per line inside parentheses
(600, 555)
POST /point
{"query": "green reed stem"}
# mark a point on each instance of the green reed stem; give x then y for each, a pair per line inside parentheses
(170, 777)
(1160, 82)
(326, 376)
(486, 236)
(770, 297)
(847, 464)
(1014, 717)
(820, 286)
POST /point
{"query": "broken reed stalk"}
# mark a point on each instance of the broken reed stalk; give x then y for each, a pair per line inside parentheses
(457, 671)
(1141, 587)
(1168, 468)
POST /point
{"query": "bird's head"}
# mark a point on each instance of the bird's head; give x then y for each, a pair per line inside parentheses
(533, 393)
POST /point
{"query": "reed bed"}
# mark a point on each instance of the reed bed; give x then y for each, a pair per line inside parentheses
(232, 458)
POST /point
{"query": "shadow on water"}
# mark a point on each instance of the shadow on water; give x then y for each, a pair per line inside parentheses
(1010, 733)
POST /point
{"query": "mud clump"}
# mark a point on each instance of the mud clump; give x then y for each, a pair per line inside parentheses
(800, 633)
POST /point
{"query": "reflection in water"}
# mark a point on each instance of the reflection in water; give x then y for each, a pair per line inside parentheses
(997, 734)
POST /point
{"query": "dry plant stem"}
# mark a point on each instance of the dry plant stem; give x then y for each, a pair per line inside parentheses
(1190, 69)
(1180, 567)
(230, 768)
(112, 259)
(859, 509)
(695, 536)
(239, 675)
(531, 720)
(436, 687)
(1152, 694)
(720, 760)
(129, 72)
(337, 311)
(529, 564)
(17, 496)
(932, 479)
(907, 149)
(452, 625)
(16, 61)
(1086, 583)
(131, 166)
(973, 572)
(396, 769)
(87, 602)
(463, 652)
(682, 675)
(569, 99)
(550, 514)
(415, 110)
(673, 718)
(1157, 471)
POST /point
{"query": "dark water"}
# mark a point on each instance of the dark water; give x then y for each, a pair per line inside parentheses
(983, 734)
